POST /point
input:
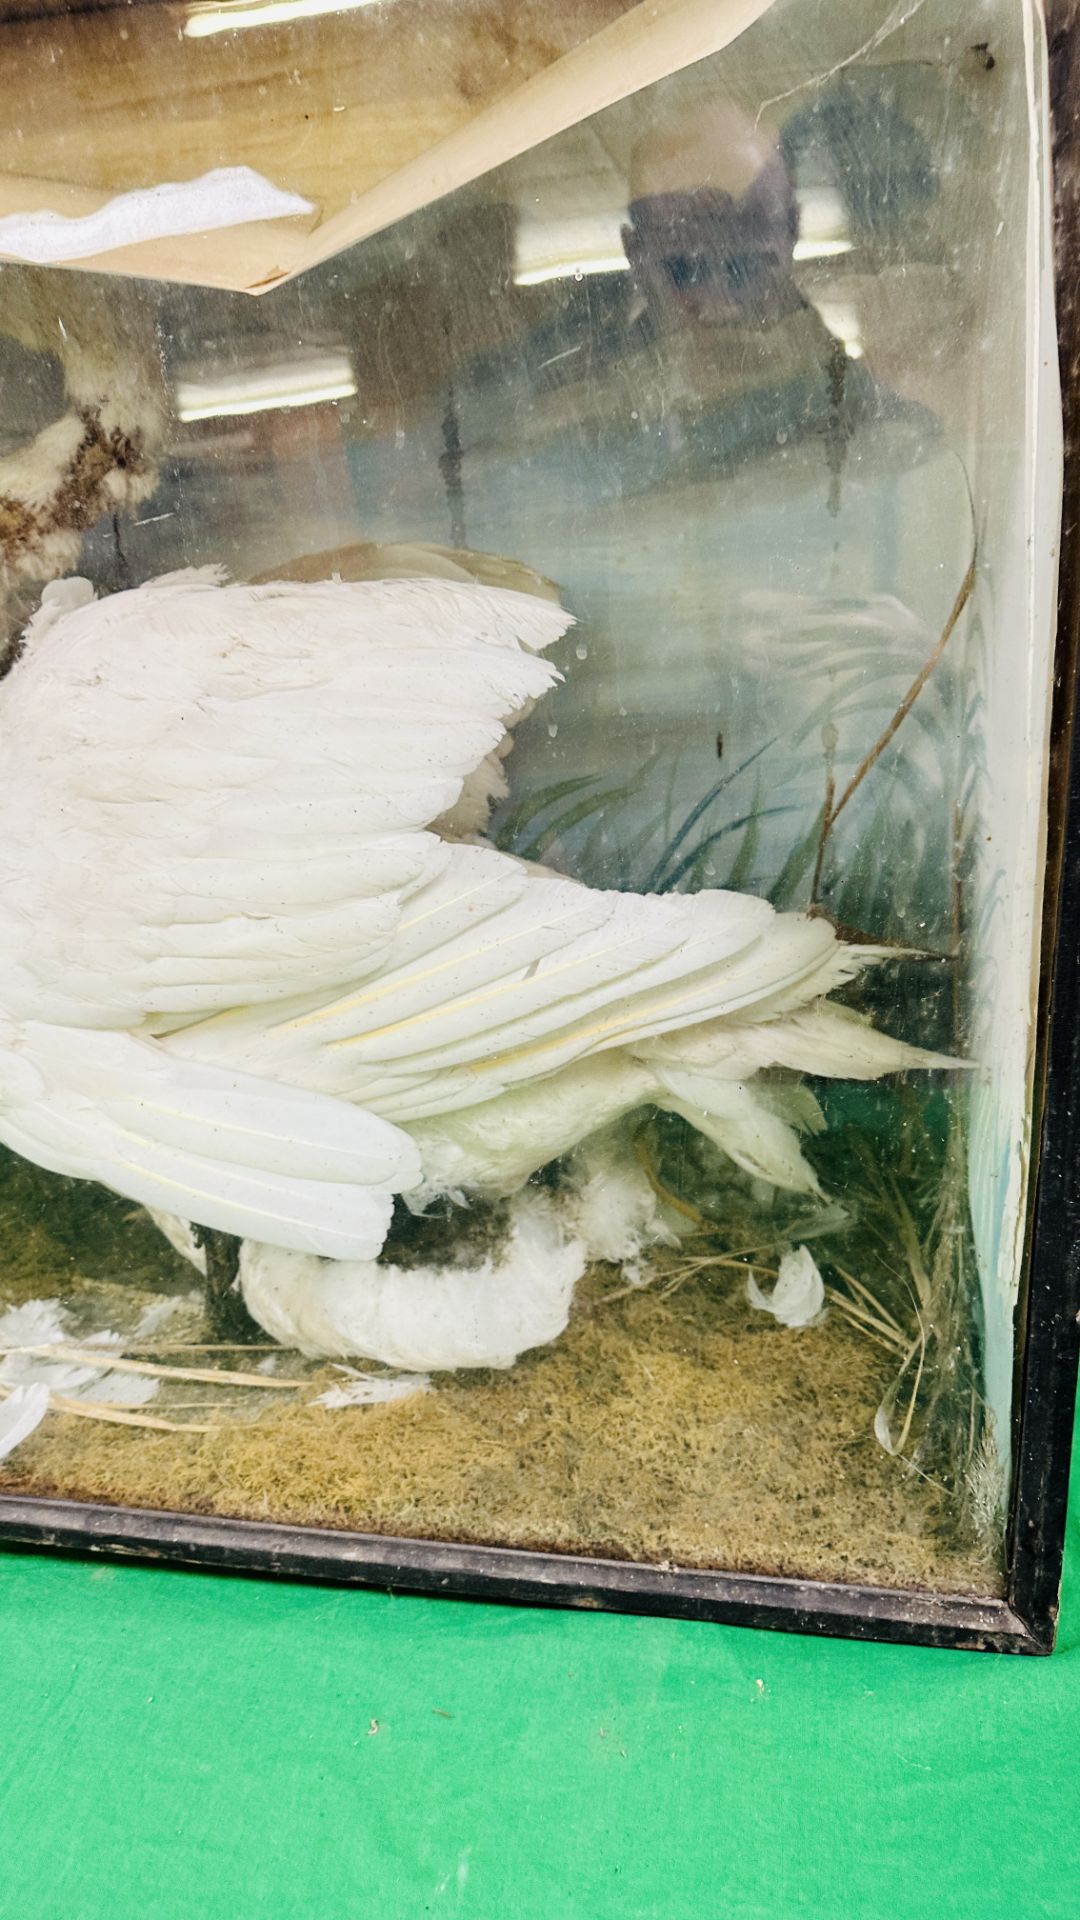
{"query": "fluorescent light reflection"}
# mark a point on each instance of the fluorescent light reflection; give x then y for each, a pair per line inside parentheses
(842, 321)
(568, 246)
(573, 268)
(227, 16)
(820, 249)
(823, 224)
(267, 389)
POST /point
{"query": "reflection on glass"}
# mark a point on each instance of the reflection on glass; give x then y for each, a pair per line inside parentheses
(692, 1203)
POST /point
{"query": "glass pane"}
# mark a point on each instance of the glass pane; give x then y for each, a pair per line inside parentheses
(618, 1144)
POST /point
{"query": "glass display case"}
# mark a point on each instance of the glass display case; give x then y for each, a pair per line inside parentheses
(535, 1056)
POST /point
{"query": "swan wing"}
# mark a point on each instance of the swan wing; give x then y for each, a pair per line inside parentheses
(229, 1150)
(216, 795)
(500, 974)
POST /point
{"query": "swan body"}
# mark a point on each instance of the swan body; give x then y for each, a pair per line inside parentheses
(247, 980)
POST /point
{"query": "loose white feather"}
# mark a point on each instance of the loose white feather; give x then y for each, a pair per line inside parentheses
(798, 1296)
(23, 1409)
(28, 1335)
(373, 1389)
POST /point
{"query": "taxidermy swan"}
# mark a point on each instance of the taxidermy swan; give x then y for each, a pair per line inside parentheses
(250, 978)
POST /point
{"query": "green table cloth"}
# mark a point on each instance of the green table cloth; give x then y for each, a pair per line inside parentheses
(181, 1746)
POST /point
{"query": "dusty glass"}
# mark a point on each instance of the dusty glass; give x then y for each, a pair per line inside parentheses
(617, 1145)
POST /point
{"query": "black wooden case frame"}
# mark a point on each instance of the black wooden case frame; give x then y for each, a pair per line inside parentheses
(1048, 1314)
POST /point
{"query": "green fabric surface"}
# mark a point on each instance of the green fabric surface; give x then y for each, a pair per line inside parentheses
(180, 1746)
